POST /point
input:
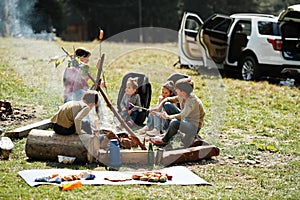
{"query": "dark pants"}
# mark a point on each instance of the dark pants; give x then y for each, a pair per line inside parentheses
(85, 126)
(170, 109)
(62, 130)
(132, 117)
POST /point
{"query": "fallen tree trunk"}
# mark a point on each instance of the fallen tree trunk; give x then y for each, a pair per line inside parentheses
(46, 145)
(140, 157)
(191, 154)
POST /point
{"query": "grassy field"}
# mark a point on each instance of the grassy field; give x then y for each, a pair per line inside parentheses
(255, 124)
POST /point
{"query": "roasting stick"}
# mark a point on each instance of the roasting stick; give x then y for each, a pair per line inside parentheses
(139, 107)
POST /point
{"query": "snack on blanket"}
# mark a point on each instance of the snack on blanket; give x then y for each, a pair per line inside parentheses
(87, 175)
(54, 175)
(163, 179)
(67, 178)
(137, 176)
(117, 178)
(152, 176)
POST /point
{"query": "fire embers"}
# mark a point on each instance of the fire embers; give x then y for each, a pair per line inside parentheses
(125, 140)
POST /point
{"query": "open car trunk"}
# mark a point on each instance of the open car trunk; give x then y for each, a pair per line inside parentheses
(290, 31)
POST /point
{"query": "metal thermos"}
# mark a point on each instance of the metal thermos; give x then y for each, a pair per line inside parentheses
(115, 161)
(159, 156)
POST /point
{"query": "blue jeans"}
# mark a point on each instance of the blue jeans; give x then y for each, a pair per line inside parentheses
(184, 126)
(126, 117)
(154, 121)
(170, 109)
(86, 126)
(134, 115)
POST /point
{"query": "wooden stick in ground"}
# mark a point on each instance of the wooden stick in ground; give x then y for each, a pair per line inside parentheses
(99, 72)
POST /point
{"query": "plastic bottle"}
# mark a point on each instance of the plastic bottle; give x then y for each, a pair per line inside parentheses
(150, 156)
(115, 156)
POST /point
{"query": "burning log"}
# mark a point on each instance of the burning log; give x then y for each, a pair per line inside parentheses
(125, 140)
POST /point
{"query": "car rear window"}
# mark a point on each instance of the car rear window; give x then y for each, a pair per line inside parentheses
(268, 28)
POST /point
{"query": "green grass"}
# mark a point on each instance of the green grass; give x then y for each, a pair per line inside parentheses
(242, 119)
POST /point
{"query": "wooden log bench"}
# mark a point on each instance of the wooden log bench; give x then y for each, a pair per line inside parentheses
(191, 154)
(140, 157)
(24, 130)
(46, 145)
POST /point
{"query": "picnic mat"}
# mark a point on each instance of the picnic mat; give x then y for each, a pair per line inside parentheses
(180, 176)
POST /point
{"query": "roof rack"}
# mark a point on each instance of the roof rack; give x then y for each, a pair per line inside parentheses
(253, 15)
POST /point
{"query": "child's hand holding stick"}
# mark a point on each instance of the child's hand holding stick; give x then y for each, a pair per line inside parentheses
(153, 111)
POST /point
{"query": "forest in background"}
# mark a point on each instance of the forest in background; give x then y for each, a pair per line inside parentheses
(117, 16)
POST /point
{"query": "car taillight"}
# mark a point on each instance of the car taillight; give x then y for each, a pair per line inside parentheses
(276, 43)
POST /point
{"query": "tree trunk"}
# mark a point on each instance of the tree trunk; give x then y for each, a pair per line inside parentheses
(46, 145)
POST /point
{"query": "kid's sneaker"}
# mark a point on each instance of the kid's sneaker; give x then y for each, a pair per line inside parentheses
(154, 132)
(157, 141)
(143, 130)
(130, 123)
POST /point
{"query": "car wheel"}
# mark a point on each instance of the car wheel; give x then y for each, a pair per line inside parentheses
(249, 68)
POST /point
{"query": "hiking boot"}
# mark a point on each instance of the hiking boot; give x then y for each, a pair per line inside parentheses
(154, 132)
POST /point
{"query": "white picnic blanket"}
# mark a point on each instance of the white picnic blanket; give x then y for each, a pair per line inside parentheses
(181, 176)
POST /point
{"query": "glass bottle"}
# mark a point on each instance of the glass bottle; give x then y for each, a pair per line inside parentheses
(150, 156)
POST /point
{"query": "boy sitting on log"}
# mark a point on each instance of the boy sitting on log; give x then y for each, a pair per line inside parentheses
(189, 120)
(70, 117)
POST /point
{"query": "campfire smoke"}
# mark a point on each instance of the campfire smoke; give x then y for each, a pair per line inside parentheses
(14, 18)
